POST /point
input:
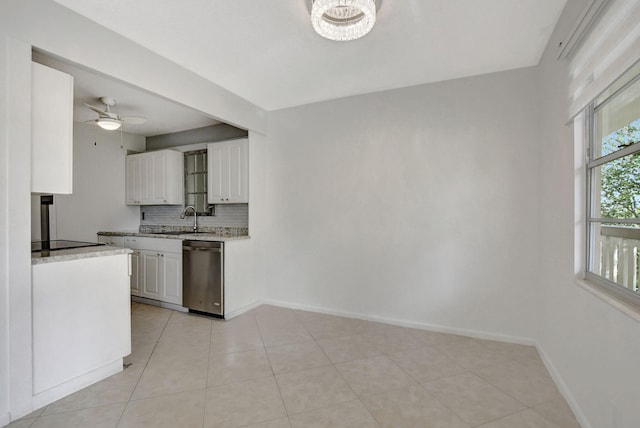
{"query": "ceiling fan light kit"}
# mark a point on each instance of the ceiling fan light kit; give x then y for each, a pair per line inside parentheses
(343, 20)
(108, 123)
(109, 120)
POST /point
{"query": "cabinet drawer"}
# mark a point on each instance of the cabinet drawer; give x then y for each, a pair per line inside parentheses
(153, 244)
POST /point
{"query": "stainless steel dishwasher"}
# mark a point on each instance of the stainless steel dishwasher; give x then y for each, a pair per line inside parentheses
(203, 277)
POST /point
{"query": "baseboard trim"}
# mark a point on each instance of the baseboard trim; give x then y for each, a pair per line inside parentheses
(243, 309)
(67, 388)
(404, 323)
(564, 389)
(165, 305)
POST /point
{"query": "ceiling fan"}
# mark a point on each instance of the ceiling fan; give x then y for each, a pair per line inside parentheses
(109, 120)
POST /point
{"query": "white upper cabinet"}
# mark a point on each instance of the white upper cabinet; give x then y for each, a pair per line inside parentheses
(51, 130)
(228, 172)
(155, 178)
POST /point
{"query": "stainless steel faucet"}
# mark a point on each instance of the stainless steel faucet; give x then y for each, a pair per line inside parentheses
(195, 217)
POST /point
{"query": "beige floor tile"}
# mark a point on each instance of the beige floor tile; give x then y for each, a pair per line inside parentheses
(97, 417)
(332, 327)
(469, 353)
(276, 423)
(411, 407)
(524, 419)
(35, 413)
(426, 363)
(510, 350)
(187, 330)
(188, 362)
(530, 386)
(313, 388)
(350, 348)
(283, 333)
(239, 334)
(402, 341)
(140, 354)
(374, 375)
(21, 423)
(243, 403)
(352, 414)
(238, 366)
(289, 358)
(558, 412)
(114, 389)
(184, 410)
(271, 312)
(173, 370)
(435, 338)
(472, 398)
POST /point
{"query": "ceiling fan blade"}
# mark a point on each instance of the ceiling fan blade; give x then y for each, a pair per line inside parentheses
(102, 112)
(133, 120)
(94, 108)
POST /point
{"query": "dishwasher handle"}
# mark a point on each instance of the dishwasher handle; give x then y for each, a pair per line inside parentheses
(211, 250)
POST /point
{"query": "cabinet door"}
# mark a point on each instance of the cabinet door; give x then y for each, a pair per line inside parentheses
(132, 180)
(51, 130)
(228, 172)
(171, 277)
(216, 169)
(155, 178)
(136, 274)
(151, 274)
(157, 164)
(238, 175)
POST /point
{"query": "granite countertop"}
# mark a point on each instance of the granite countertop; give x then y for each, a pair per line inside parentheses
(77, 253)
(200, 236)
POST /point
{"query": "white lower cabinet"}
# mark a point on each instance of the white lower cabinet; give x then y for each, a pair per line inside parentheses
(156, 265)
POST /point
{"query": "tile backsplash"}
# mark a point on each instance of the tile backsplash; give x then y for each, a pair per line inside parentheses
(227, 215)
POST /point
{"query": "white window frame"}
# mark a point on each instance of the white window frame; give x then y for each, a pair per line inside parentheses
(591, 164)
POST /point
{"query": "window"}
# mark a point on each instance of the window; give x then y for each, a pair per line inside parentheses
(613, 186)
(195, 181)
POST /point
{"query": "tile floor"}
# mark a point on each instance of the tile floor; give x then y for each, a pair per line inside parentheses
(280, 368)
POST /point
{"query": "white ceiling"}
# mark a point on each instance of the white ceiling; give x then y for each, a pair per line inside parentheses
(268, 53)
(163, 116)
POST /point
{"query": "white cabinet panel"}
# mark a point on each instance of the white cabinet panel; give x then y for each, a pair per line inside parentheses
(156, 268)
(81, 320)
(51, 130)
(171, 278)
(228, 172)
(151, 274)
(155, 178)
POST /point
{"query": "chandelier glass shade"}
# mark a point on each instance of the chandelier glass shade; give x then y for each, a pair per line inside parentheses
(343, 20)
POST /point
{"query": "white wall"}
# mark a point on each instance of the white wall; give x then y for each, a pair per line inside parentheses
(98, 199)
(592, 347)
(416, 205)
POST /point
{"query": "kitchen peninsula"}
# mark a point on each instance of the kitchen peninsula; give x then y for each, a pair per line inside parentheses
(81, 318)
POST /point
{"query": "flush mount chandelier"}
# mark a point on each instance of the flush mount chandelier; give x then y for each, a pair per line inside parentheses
(343, 20)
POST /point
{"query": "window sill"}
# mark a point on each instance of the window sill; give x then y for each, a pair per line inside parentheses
(624, 307)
